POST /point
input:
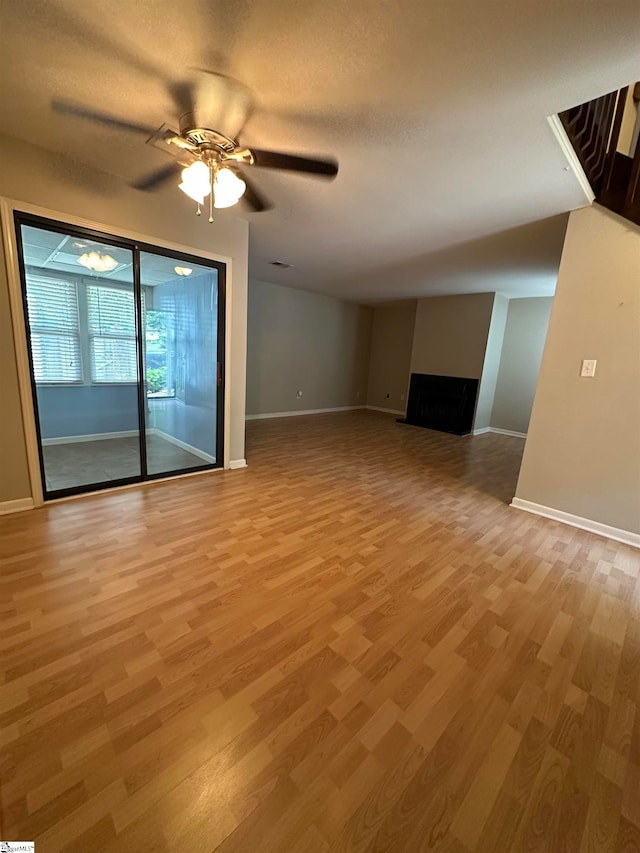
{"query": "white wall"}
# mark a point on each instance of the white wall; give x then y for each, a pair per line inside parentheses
(582, 454)
(299, 341)
(56, 183)
(524, 337)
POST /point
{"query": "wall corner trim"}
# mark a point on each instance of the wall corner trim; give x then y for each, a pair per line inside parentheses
(498, 431)
(508, 432)
(557, 128)
(625, 536)
(237, 463)
(19, 505)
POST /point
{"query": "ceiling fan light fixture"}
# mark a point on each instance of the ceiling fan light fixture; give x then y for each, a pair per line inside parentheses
(97, 262)
(228, 188)
(195, 181)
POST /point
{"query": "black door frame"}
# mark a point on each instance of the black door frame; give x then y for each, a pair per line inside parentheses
(135, 247)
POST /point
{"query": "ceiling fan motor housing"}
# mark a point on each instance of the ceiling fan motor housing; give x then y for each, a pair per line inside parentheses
(204, 136)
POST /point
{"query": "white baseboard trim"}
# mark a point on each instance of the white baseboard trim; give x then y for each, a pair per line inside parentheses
(98, 436)
(485, 430)
(234, 464)
(19, 505)
(625, 536)
(387, 411)
(508, 432)
(206, 457)
(302, 412)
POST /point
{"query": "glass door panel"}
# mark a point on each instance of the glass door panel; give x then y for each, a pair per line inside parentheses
(180, 341)
(81, 328)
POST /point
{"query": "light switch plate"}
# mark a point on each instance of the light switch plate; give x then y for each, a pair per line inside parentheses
(588, 367)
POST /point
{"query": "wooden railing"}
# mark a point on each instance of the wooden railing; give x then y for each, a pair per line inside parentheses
(594, 131)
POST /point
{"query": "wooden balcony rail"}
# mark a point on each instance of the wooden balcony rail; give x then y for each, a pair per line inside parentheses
(594, 131)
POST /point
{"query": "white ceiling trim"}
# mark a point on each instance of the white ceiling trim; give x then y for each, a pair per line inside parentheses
(557, 128)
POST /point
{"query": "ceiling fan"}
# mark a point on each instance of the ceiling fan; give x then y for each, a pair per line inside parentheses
(212, 164)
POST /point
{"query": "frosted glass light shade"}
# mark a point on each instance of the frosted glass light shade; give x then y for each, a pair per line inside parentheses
(96, 261)
(228, 188)
(195, 181)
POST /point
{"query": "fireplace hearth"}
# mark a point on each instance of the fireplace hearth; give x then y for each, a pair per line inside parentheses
(444, 403)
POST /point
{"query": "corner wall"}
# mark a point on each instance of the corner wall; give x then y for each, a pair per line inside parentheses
(450, 336)
(38, 177)
(391, 343)
(300, 341)
(495, 338)
(14, 471)
(524, 337)
(582, 454)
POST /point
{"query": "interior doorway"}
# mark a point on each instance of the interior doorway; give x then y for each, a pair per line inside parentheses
(126, 352)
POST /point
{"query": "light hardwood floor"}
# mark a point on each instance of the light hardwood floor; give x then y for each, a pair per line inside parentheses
(352, 645)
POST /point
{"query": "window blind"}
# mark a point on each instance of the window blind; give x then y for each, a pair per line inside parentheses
(52, 307)
(112, 334)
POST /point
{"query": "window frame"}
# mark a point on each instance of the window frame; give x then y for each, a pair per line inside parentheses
(90, 336)
(81, 283)
(44, 330)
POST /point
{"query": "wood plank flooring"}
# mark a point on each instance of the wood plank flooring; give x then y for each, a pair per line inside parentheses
(352, 645)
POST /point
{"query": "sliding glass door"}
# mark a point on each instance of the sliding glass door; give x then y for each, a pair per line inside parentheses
(181, 362)
(125, 347)
(81, 317)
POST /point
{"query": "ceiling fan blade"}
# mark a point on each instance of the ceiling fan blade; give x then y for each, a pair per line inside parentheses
(253, 197)
(154, 180)
(69, 108)
(293, 163)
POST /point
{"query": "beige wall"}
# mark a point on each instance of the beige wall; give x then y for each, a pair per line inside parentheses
(391, 342)
(582, 455)
(14, 474)
(628, 126)
(307, 342)
(450, 339)
(32, 175)
(495, 338)
(450, 334)
(524, 337)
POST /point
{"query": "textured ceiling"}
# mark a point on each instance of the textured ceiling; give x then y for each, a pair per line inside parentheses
(436, 112)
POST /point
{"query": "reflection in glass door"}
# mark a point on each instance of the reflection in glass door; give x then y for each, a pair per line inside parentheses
(81, 322)
(126, 348)
(180, 325)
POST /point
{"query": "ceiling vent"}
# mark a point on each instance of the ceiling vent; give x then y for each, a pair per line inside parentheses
(281, 264)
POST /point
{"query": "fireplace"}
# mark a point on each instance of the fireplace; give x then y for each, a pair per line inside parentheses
(445, 403)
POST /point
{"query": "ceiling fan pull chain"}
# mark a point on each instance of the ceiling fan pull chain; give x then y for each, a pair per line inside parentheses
(198, 211)
(211, 180)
